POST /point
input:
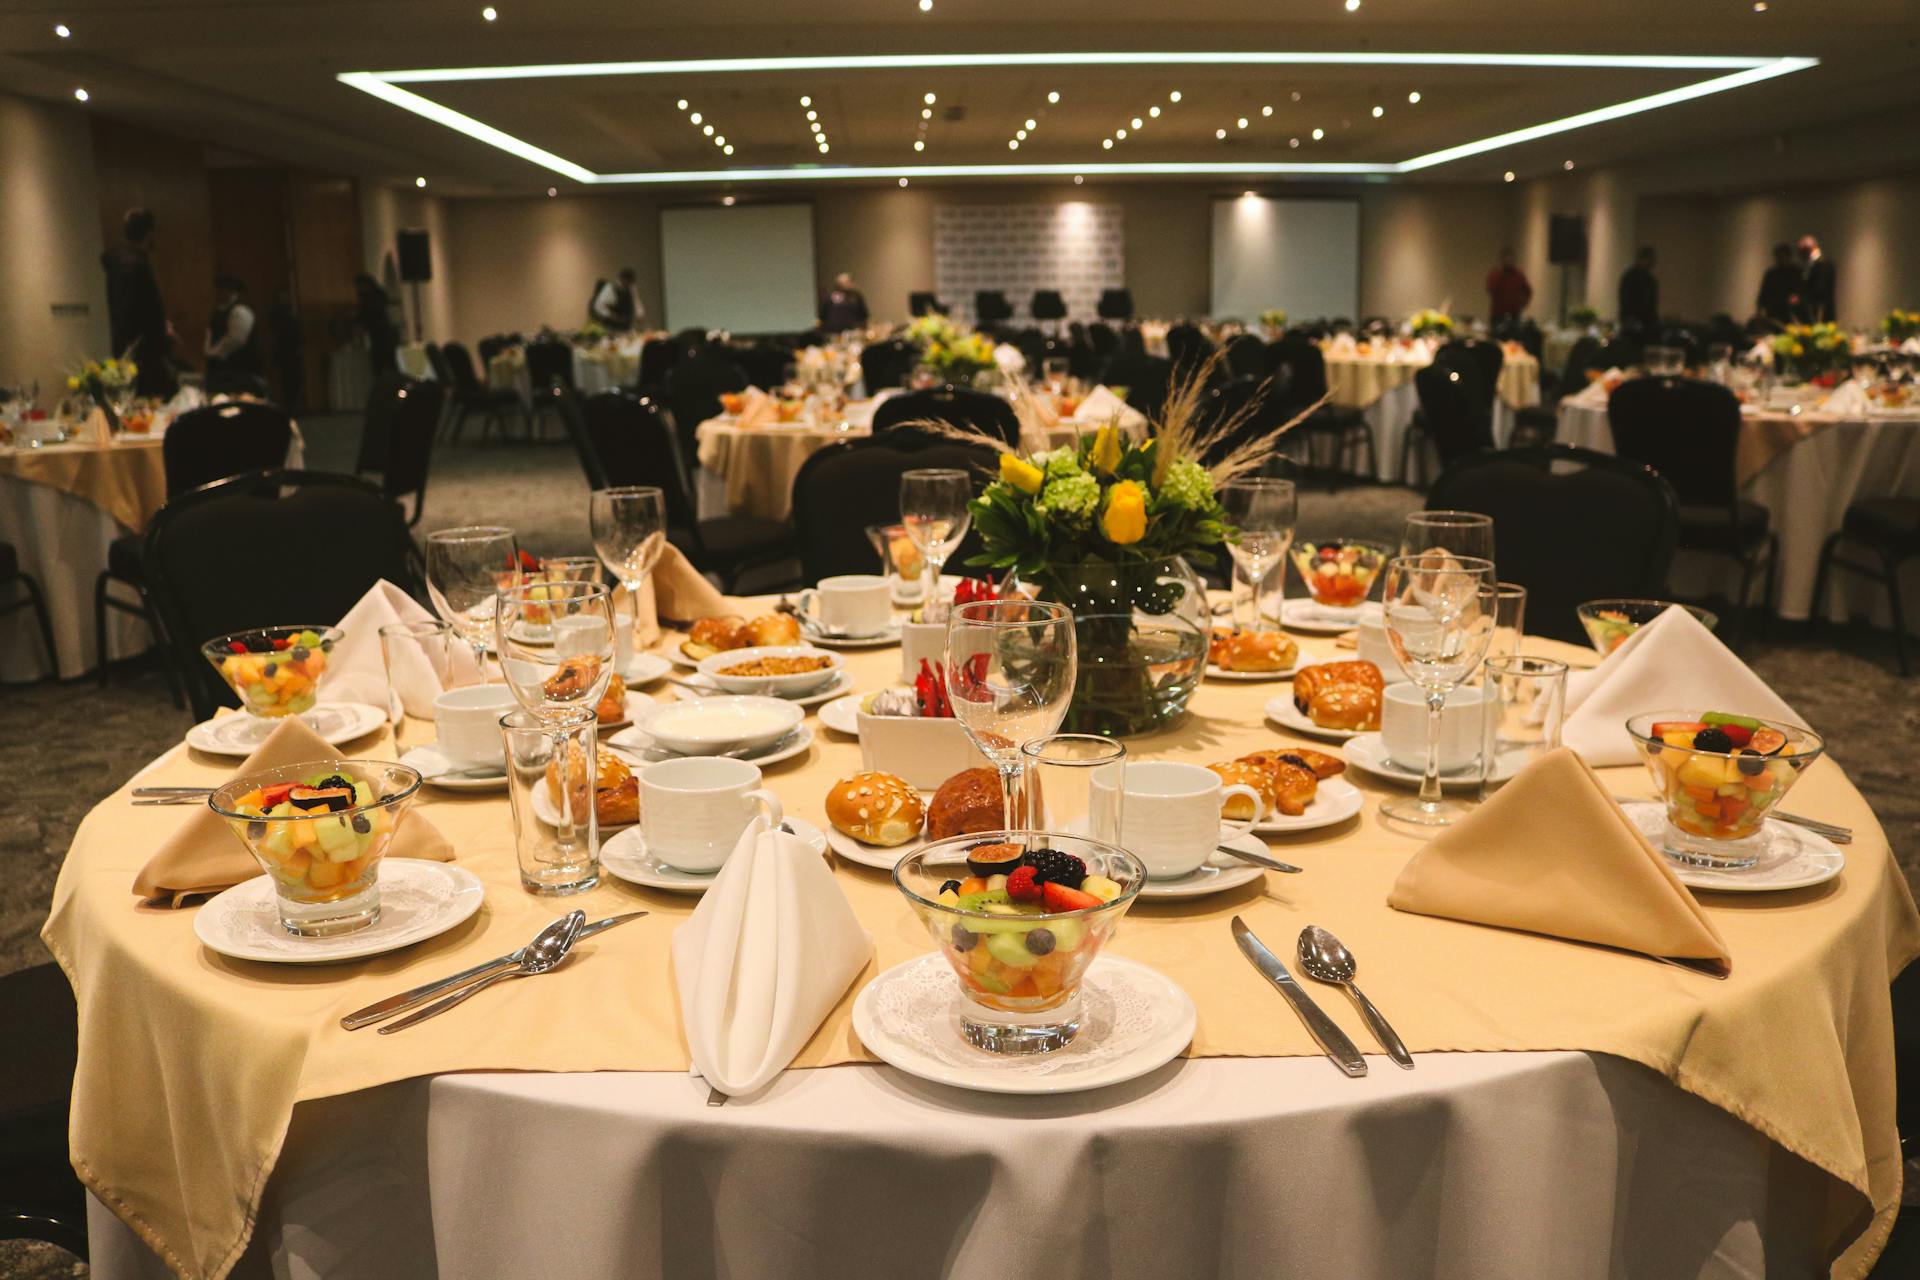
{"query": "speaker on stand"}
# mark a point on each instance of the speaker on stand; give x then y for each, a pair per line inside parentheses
(416, 265)
(1567, 249)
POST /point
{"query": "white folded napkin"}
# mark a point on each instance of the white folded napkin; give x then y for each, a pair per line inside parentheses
(763, 959)
(1910, 347)
(1343, 343)
(1847, 400)
(1671, 663)
(756, 409)
(1008, 357)
(1100, 406)
(357, 671)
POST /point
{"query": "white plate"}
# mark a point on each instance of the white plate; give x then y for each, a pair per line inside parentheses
(879, 857)
(428, 760)
(834, 688)
(842, 715)
(626, 855)
(1303, 615)
(418, 900)
(1334, 800)
(549, 813)
(536, 635)
(909, 596)
(639, 748)
(1369, 751)
(643, 668)
(1219, 872)
(878, 640)
(1281, 711)
(634, 702)
(1794, 858)
(240, 734)
(1132, 1021)
(1221, 673)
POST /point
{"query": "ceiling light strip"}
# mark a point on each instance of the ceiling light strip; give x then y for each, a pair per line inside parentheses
(466, 124)
(816, 173)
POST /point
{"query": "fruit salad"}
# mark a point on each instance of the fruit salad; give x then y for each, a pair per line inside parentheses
(1020, 916)
(1608, 623)
(1340, 573)
(319, 828)
(1720, 773)
(276, 671)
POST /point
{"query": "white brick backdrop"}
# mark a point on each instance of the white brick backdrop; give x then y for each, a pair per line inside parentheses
(1077, 248)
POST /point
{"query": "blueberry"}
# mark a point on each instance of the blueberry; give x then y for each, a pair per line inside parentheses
(326, 646)
(1751, 765)
(299, 653)
(964, 938)
(256, 831)
(270, 669)
(951, 884)
(1040, 941)
(360, 824)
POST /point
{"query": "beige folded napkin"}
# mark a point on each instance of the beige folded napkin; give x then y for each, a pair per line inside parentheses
(675, 591)
(1552, 853)
(1672, 663)
(1101, 406)
(756, 409)
(205, 856)
(764, 959)
(357, 671)
(1848, 400)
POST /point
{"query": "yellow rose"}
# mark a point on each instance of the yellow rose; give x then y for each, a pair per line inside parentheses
(1021, 474)
(1125, 521)
(1105, 454)
(73, 382)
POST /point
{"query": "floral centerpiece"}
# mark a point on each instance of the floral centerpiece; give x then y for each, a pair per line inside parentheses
(1273, 320)
(108, 383)
(590, 333)
(957, 356)
(1818, 353)
(1428, 323)
(1901, 325)
(1582, 317)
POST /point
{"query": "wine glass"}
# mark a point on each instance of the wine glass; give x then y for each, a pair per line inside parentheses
(1010, 672)
(564, 663)
(1263, 512)
(1440, 613)
(629, 525)
(933, 507)
(1459, 533)
(467, 569)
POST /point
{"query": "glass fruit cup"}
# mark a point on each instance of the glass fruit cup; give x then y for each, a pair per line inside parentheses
(1609, 623)
(275, 671)
(1020, 965)
(1720, 774)
(319, 829)
(1339, 573)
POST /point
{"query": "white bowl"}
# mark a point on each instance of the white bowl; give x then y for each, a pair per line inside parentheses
(921, 751)
(708, 726)
(716, 666)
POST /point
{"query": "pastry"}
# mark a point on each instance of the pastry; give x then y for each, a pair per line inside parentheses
(1322, 765)
(712, 635)
(572, 680)
(1293, 783)
(616, 792)
(773, 628)
(1238, 808)
(969, 801)
(875, 808)
(1356, 671)
(1253, 651)
(1345, 706)
(612, 708)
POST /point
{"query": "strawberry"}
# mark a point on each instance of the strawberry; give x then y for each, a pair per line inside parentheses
(236, 646)
(1738, 734)
(271, 796)
(1058, 897)
(1024, 885)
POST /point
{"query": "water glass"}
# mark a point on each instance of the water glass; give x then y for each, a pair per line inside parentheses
(1010, 671)
(933, 507)
(1439, 614)
(1263, 512)
(1074, 782)
(629, 527)
(1526, 700)
(1509, 626)
(419, 658)
(467, 568)
(1459, 533)
(550, 777)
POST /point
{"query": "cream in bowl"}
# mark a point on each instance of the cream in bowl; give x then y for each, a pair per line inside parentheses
(708, 726)
(780, 671)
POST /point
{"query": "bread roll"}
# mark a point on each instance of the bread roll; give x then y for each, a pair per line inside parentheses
(1257, 651)
(773, 628)
(1322, 765)
(1345, 706)
(709, 636)
(1237, 807)
(1294, 784)
(616, 792)
(612, 708)
(1310, 679)
(875, 808)
(969, 801)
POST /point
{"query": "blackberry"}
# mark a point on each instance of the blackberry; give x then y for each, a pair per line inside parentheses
(1057, 867)
(1712, 738)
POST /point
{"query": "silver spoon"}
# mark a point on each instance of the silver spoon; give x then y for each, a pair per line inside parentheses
(1260, 860)
(1324, 957)
(548, 949)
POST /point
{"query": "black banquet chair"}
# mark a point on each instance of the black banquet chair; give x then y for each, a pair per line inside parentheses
(341, 530)
(567, 403)
(630, 438)
(30, 597)
(990, 306)
(397, 440)
(470, 395)
(40, 1198)
(845, 487)
(1688, 430)
(887, 364)
(1889, 528)
(920, 303)
(1048, 305)
(1455, 415)
(701, 374)
(1115, 304)
(954, 405)
(1546, 504)
(1334, 438)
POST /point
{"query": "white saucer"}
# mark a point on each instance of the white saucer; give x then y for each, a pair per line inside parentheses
(240, 734)
(1794, 858)
(878, 640)
(428, 760)
(637, 747)
(835, 687)
(842, 715)
(418, 900)
(879, 857)
(1304, 615)
(1334, 800)
(1219, 872)
(1369, 751)
(1132, 1021)
(549, 813)
(1281, 711)
(634, 701)
(1221, 673)
(626, 856)
(644, 668)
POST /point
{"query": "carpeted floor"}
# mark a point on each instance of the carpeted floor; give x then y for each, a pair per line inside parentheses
(1843, 684)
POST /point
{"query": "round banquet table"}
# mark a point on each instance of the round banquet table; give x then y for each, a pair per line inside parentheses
(1379, 383)
(1475, 1164)
(1806, 486)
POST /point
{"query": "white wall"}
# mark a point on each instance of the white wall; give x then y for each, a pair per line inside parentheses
(49, 245)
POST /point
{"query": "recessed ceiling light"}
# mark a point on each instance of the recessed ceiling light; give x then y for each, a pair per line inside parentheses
(1296, 95)
(1106, 144)
(1241, 122)
(1020, 134)
(728, 149)
(719, 139)
(418, 182)
(1293, 142)
(929, 99)
(1353, 6)
(1138, 123)
(83, 95)
(62, 30)
(1319, 134)
(708, 130)
(1759, 6)
(926, 6)
(1013, 144)
(1567, 164)
(1120, 134)
(1078, 179)
(1266, 111)
(919, 145)
(903, 182)
(813, 128)
(682, 104)
(813, 115)
(727, 201)
(1174, 96)
(926, 113)
(1053, 97)
(1414, 96)
(1507, 176)
(1031, 124)
(695, 117)
(1154, 112)
(806, 101)
(1378, 112)
(552, 192)
(489, 13)
(824, 148)
(1220, 133)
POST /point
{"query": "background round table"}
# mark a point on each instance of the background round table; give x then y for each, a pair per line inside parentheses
(1380, 385)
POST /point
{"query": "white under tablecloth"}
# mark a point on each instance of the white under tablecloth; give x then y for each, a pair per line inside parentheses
(1470, 1167)
(1806, 491)
(1391, 416)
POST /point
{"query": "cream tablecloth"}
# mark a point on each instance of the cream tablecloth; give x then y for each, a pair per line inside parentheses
(1532, 1163)
(1379, 383)
(1825, 464)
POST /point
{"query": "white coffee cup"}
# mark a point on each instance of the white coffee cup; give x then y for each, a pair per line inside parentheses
(1171, 816)
(851, 604)
(693, 811)
(584, 634)
(1403, 727)
(1372, 633)
(467, 722)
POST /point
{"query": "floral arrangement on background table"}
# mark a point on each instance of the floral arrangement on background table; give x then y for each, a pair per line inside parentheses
(1428, 323)
(1582, 317)
(1818, 353)
(957, 356)
(108, 383)
(1901, 325)
(1273, 320)
(590, 332)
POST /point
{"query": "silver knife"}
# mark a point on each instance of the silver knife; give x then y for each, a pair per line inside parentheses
(383, 1009)
(1260, 860)
(1322, 1028)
